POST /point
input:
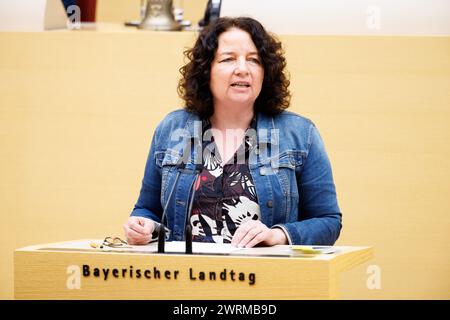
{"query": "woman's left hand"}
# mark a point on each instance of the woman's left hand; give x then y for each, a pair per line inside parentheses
(253, 232)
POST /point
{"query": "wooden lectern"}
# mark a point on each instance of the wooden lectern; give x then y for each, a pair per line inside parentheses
(77, 270)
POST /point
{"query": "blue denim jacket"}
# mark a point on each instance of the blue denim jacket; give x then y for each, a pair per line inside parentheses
(290, 169)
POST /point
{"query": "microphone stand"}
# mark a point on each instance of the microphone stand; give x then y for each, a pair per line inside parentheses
(188, 227)
(161, 228)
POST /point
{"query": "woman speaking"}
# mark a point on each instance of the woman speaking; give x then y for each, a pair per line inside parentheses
(233, 163)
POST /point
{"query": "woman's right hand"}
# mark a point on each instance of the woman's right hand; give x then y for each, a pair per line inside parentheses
(138, 230)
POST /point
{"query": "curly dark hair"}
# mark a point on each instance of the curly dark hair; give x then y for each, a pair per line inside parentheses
(194, 88)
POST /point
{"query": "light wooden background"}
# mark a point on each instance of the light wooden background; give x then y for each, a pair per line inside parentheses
(77, 112)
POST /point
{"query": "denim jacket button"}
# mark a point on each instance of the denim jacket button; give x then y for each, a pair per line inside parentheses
(270, 204)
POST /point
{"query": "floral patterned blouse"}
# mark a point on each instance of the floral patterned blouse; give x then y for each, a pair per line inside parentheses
(225, 195)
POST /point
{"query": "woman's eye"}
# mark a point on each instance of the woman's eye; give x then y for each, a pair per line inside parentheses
(226, 60)
(254, 60)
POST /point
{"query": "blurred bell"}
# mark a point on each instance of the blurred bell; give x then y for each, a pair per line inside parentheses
(159, 16)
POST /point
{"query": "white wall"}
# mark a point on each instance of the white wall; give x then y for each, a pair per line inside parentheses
(378, 17)
(32, 15)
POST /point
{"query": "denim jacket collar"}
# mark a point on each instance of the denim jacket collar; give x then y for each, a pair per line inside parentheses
(266, 136)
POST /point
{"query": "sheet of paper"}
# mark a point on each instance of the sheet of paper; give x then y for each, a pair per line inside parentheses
(313, 249)
(170, 247)
(197, 248)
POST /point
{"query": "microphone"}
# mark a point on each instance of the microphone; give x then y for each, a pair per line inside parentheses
(161, 228)
(188, 227)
